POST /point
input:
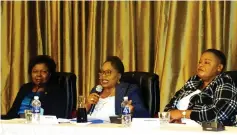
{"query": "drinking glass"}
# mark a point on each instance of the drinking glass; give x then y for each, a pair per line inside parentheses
(164, 117)
(28, 116)
(81, 110)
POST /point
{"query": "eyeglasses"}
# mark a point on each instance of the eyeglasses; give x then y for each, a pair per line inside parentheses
(105, 73)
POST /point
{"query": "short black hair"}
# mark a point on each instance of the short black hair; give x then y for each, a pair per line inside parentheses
(220, 55)
(116, 63)
(48, 61)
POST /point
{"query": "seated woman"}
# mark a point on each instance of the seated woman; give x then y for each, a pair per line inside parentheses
(41, 68)
(108, 102)
(207, 93)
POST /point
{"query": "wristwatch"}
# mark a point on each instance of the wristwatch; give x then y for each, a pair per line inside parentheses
(184, 113)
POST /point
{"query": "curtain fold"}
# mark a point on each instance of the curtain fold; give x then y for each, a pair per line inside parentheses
(164, 37)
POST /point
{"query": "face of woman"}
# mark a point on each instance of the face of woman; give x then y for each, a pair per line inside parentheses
(209, 66)
(40, 74)
(108, 75)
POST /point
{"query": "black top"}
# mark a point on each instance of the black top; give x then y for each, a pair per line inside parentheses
(52, 100)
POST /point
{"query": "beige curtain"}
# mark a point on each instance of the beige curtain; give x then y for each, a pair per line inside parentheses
(166, 38)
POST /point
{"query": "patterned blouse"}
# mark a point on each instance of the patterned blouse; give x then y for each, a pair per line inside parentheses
(219, 95)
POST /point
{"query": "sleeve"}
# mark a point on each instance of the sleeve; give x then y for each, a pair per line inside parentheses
(223, 101)
(139, 108)
(175, 99)
(12, 113)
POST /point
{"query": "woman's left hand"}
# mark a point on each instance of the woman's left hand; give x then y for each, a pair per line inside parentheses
(175, 115)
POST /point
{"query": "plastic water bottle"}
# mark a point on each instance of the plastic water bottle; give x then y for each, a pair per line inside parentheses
(126, 114)
(36, 105)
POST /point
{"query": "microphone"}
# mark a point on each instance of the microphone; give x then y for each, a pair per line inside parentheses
(216, 126)
(40, 85)
(98, 90)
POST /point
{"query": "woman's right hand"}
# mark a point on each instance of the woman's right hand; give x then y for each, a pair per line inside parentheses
(93, 98)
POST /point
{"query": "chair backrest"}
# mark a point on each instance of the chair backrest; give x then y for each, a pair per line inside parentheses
(149, 85)
(68, 82)
(233, 75)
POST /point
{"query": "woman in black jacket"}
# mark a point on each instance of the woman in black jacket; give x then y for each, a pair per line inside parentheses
(41, 69)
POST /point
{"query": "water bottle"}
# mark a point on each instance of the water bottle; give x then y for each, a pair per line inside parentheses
(126, 114)
(36, 105)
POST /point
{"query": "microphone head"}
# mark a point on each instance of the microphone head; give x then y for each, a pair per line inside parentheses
(99, 88)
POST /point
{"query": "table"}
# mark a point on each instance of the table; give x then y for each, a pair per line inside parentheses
(20, 128)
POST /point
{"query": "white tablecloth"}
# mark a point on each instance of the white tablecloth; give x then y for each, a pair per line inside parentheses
(20, 128)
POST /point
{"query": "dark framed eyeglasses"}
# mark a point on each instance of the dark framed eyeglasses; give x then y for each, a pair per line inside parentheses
(105, 73)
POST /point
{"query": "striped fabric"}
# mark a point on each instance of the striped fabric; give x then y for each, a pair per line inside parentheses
(26, 102)
(212, 99)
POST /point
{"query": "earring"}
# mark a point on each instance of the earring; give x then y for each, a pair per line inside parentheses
(118, 82)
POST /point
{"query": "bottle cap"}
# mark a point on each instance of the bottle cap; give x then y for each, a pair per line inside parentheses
(36, 97)
(125, 98)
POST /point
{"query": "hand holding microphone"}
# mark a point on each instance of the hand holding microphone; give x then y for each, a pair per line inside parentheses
(93, 98)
